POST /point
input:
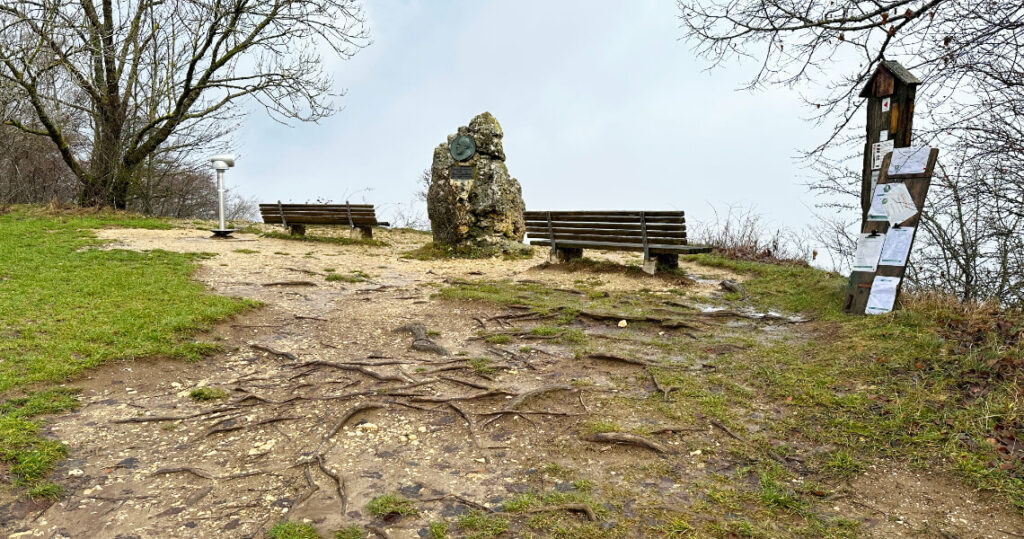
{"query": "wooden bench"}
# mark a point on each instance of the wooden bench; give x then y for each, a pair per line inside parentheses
(660, 235)
(295, 217)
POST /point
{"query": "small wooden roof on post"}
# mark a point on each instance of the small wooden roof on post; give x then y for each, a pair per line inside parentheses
(882, 82)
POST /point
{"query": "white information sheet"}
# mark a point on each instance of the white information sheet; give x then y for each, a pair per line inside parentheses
(869, 250)
(897, 203)
(877, 212)
(910, 160)
(883, 295)
(886, 104)
(878, 151)
(897, 246)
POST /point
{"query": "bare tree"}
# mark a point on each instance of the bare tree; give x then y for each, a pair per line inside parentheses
(971, 104)
(150, 75)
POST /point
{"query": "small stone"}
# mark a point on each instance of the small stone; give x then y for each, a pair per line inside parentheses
(623, 323)
(695, 453)
(75, 473)
(422, 429)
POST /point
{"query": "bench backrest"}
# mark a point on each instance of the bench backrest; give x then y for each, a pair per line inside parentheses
(624, 227)
(361, 215)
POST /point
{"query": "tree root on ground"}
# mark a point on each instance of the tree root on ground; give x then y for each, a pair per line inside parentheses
(626, 438)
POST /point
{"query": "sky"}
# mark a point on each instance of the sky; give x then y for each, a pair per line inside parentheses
(602, 103)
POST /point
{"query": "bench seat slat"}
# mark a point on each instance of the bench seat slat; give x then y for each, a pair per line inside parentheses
(615, 246)
(316, 206)
(606, 219)
(358, 215)
(564, 214)
(632, 240)
(606, 226)
(673, 233)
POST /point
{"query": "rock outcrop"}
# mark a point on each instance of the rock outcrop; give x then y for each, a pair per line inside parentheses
(472, 201)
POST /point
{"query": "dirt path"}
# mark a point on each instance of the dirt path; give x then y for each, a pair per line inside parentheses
(329, 406)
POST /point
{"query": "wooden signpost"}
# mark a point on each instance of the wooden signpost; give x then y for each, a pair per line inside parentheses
(890, 93)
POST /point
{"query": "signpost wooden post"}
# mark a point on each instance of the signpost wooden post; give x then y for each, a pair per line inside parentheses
(890, 94)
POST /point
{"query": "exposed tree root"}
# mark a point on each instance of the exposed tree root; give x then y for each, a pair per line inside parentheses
(269, 350)
(611, 357)
(291, 283)
(220, 429)
(571, 507)
(357, 368)
(626, 438)
(157, 418)
(207, 475)
(339, 483)
(460, 499)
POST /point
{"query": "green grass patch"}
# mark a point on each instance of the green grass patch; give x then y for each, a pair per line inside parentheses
(292, 530)
(788, 288)
(355, 276)
(208, 394)
(600, 427)
(22, 447)
(390, 504)
(350, 532)
(437, 530)
(482, 365)
(246, 251)
(480, 525)
(67, 306)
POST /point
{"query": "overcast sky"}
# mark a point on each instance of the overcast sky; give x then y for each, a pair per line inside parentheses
(602, 105)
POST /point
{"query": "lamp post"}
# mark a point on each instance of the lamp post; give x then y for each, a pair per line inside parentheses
(221, 163)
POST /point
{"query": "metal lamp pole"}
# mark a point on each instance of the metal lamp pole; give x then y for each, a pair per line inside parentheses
(221, 163)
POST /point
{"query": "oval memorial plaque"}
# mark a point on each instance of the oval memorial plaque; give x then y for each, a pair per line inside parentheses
(462, 147)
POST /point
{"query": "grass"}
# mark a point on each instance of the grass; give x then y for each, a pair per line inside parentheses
(481, 365)
(933, 385)
(336, 240)
(67, 306)
(437, 530)
(434, 251)
(201, 394)
(926, 384)
(350, 532)
(355, 276)
(292, 530)
(390, 504)
(480, 525)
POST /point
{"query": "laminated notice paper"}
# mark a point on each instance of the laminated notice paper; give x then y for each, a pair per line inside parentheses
(878, 151)
(883, 295)
(910, 160)
(869, 250)
(897, 203)
(877, 211)
(897, 246)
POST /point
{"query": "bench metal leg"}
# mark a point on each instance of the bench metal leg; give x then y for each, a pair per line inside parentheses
(667, 261)
(361, 233)
(297, 230)
(565, 254)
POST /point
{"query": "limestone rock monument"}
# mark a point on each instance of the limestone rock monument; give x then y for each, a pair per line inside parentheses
(472, 201)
